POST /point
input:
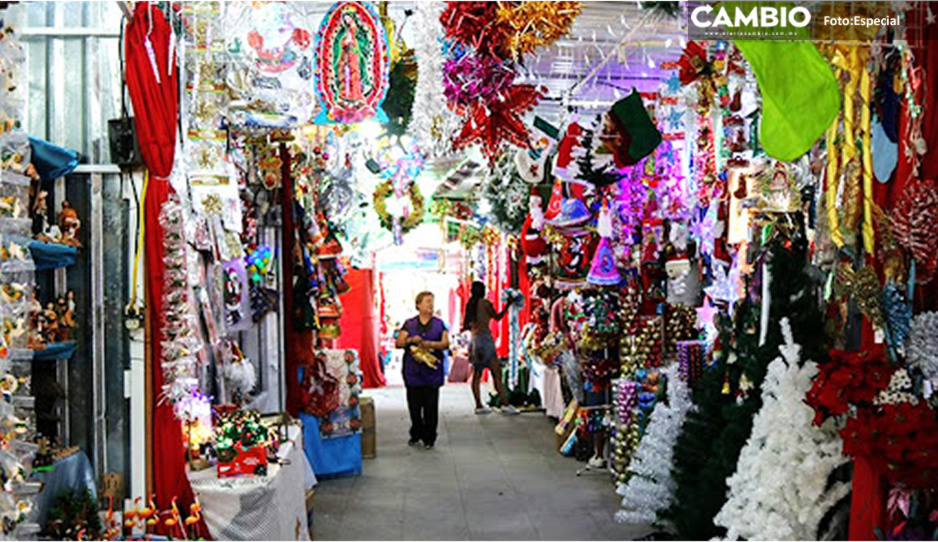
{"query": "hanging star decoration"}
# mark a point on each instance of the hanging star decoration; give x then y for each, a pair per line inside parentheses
(707, 230)
(673, 84)
(494, 123)
(725, 286)
(705, 318)
(675, 119)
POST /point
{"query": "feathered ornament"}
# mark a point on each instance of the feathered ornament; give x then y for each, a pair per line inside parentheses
(922, 348)
(864, 286)
(898, 315)
(914, 223)
(537, 23)
(431, 120)
(492, 124)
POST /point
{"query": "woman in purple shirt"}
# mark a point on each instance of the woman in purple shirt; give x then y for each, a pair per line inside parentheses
(423, 338)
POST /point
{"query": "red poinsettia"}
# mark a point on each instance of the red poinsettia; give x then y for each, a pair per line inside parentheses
(498, 121)
(849, 378)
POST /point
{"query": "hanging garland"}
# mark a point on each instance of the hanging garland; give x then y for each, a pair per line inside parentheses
(393, 223)
(431, 121)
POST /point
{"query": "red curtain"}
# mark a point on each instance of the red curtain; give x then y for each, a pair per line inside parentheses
(153, 89)
(154, 92)
(359, 325)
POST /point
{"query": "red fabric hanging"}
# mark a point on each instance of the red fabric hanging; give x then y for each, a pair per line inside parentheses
(359, 325)
(152, 83)
(154, 90)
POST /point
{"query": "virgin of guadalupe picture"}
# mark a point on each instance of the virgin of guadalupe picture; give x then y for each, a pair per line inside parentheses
(352, 64)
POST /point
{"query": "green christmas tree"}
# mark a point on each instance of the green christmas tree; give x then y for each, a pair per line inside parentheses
(728, 395)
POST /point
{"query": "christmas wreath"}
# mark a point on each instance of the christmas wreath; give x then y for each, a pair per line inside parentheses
(407, 223)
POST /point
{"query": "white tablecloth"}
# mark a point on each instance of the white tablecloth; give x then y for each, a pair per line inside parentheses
(271, 507)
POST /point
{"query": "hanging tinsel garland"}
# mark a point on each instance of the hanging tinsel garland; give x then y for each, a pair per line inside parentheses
(431, 120)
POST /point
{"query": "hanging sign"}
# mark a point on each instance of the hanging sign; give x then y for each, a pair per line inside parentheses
(352, 64)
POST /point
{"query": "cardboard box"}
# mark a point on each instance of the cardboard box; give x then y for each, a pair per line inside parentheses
(369, 431)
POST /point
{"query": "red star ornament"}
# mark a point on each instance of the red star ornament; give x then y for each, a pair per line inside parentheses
(494, 123)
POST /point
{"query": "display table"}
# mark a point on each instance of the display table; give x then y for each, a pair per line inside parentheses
(271, 507)
(73, 472)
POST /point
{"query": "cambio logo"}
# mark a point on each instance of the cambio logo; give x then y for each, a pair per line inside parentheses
(754, 17)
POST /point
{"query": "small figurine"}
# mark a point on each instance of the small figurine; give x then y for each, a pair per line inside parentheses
(51, 324)
(35, 338)
(40, 218)
(70, 225)
(10, 207)
(66, 319)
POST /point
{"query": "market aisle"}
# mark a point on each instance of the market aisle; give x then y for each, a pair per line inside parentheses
(490, 477)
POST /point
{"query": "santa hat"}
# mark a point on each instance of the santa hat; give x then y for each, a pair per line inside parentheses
(603, 270)
(635, 135)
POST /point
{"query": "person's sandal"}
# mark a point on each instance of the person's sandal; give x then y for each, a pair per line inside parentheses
(483, 410)
(509, 410)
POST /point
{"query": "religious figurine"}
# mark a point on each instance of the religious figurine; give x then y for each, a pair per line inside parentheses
(50, 324)
(66, 319)
(40, 218)
(35, 339)
(70, 225)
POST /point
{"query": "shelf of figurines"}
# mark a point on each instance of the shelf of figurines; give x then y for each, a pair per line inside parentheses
(48, 331)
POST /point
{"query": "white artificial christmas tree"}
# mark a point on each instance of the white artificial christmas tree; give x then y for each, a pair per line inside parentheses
(651, 487)
(779, 490)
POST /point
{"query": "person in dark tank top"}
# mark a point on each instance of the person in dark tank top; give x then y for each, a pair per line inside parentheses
(424, 338)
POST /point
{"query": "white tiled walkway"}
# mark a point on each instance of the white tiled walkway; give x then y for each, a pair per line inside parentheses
(489, 477)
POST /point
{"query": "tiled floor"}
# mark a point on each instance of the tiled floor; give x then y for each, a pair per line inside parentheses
(490, 478)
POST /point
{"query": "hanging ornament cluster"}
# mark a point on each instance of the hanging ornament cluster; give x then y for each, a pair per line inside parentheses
(681, 326)
(488, 39)
(641, 349)
(353, 64)
(180, 342)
